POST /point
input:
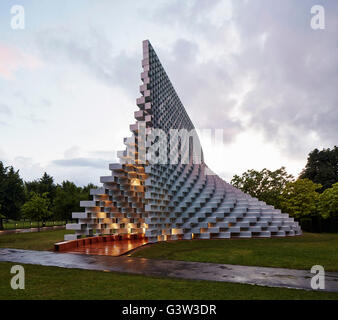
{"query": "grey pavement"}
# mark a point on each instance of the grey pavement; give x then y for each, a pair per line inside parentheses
(273, 277)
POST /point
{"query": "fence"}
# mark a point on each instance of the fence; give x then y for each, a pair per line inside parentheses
(25, 224)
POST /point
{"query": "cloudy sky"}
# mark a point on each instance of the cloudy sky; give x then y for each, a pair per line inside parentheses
(255, 69)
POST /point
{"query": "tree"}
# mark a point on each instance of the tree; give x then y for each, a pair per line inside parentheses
(328, 202)
(86, 189)
(299, 198)
(12, 193)
(44, 185)
(1, 219)
(67, 200)
(36, 208)
(265, 185)
(322, 167)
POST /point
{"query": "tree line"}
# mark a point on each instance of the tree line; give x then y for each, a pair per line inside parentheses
(38, 200)
(312, 198)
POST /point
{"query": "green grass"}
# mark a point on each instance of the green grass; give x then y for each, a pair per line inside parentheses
(293, 252)
(43, 240)
(20, 224)
(58, 283)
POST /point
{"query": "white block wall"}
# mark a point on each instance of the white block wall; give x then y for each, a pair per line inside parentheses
(173, 201)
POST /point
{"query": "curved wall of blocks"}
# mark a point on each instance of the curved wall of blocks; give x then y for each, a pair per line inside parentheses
(173, 201)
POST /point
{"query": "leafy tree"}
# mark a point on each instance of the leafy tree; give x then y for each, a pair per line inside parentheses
(12, 193)
(36, 208)
(299, 198)
(322, 167)
(44, 185)
(266, 185)
(1, 219)
(328, 202)
(67, 200)
(86, 189)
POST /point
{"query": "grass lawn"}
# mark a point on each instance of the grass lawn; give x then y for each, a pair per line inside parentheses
(43, 240)
(59, 283)
(293, 252)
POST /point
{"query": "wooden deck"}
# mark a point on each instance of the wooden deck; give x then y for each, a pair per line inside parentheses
(113, 248)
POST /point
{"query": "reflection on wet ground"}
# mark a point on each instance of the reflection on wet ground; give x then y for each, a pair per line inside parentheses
(112, 248)
(273, 277)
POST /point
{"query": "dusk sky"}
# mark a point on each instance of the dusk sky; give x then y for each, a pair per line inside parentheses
(255, 69)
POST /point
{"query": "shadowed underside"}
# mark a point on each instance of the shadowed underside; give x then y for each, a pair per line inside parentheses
(172, 201)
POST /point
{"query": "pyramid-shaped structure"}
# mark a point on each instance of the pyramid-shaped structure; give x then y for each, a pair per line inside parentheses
(171, 200)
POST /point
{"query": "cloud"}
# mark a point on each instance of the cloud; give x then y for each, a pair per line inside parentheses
(2, 154)
(13, 59)
(280, 79)
(34, 118)
(293, 96)
(201, 15)
(205, 88)
(240, 72)
(28, 168)
(253, 68)
(94, 54)
(46, 102)
(75, 156)
(72, 152)
(108, 155)
(194, 80)
(82, 162)
(5, 110)
(75, 170)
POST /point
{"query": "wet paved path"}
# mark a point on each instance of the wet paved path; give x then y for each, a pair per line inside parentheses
(274, 277)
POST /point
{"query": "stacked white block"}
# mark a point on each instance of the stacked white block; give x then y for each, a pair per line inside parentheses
(175, 200)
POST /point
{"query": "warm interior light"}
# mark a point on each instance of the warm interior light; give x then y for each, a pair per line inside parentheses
(135, 182)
